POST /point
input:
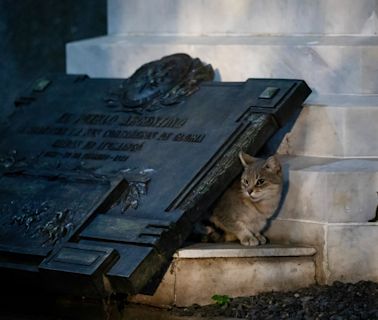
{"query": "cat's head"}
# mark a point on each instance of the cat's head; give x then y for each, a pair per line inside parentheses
(261, 179)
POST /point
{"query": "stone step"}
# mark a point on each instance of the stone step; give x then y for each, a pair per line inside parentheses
(329, 190)
(202, 270)
(345, 251)
(327, 203)
(335, 126)
(329, 64)
(208, 17)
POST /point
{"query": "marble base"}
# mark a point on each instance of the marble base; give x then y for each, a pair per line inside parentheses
(328, 64)
(330, 189)
(291, 231)
(335, 130)
(352, 253)
(199, 272)
(345, 251)
(207, 17)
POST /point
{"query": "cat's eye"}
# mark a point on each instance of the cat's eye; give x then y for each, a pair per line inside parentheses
(260, 182)
(245, 181)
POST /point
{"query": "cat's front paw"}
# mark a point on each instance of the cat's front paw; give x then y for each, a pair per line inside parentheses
(261, 238)
(249, 241)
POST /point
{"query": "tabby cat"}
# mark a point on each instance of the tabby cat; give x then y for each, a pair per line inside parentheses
(243, 210)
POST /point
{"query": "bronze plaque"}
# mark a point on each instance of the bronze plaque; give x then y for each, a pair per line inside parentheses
(101, 178)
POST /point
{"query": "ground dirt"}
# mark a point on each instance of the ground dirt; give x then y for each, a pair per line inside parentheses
(337, 302)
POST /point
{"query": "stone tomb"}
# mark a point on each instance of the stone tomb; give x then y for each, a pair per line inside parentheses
(95, 197)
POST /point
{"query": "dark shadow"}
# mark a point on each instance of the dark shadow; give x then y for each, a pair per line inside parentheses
(33, 36)
(285, 188)
(270, 148)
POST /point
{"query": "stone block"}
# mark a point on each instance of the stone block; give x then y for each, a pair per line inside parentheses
(328, 64)
(198, 280)
(335, 130)
(202, 270)
(290, 231)
(345, 251)
(208, 17)
(330, 189)
(302, 232)
(352, 253)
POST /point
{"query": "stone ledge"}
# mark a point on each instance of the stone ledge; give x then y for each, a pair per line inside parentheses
(345, 251)
(242, 16)
(344, 131)
(329, 164)
(342, 100)
(196, 280)
(256, 40)
(329, 64)
(235, 250)
(324, 189)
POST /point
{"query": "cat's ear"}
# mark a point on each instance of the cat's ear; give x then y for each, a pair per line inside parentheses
(246, 159)
(273, 164)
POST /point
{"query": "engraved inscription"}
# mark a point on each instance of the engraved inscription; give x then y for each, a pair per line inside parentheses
(86, 156)
(194, 138)
(155, 122)
(67, 143)
(128, 134)
(96, 119)
(45, 130)
(114, 146)
(86, 133)
(122, 120)
(96, 136)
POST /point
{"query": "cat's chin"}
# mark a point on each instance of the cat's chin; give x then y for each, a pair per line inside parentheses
(253, 199)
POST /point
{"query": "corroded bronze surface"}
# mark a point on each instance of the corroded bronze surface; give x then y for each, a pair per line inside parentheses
(96, 196)
(162, 82)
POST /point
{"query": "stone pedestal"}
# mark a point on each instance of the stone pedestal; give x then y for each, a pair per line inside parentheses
(200, 271)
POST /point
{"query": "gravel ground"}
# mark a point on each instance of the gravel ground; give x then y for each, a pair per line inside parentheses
(337, 302)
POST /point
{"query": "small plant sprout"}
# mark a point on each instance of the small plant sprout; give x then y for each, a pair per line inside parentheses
(221, 300)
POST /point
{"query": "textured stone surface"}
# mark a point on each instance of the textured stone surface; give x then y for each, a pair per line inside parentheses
(293, 232)
(342, 100)
(345, 251)
(198, 280)
(200, 271)
(335, 130)
(327, 64)
(290, 231)
(243, 16)
(352, 253)
(330, 189)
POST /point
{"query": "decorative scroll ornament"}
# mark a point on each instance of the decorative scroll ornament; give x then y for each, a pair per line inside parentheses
(160, 83)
